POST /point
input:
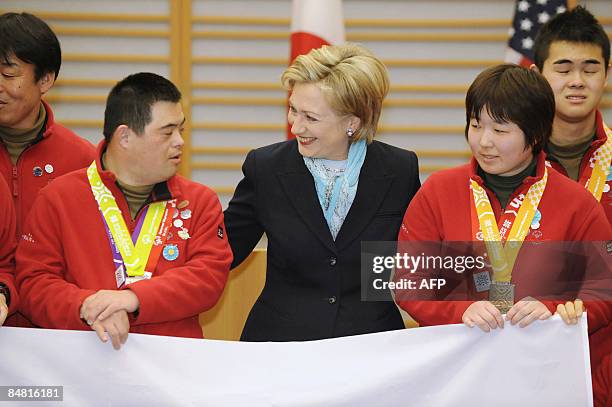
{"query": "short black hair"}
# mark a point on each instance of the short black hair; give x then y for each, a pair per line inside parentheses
(514, 94)
(30, 39)
(130, 101)
(576, 25)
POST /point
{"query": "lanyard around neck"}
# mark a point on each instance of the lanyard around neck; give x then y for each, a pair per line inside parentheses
(134, 255)
(601, 168)
(503, 256)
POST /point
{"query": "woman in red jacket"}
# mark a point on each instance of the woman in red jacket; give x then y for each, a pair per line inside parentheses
(507, 192)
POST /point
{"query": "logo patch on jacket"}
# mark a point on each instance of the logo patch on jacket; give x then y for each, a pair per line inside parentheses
(28, 238)
(220, 232)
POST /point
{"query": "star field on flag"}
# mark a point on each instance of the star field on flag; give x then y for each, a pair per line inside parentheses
(529, 16)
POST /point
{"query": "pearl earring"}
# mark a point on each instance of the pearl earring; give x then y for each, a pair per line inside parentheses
(350, 132)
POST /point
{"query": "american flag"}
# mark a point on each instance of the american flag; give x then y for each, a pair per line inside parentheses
(529, 16)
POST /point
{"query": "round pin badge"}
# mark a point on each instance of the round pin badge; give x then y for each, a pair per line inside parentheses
(49, 169)
(175, 214)
(537, 217)
(186, 214)
(177, 223)
(183, 204)
(37, 171)
(606, 188)
(170, 252)
(183, 234)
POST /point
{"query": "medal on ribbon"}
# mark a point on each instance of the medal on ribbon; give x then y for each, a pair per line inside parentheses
(501, 294)
(503, 256)
(136, 255)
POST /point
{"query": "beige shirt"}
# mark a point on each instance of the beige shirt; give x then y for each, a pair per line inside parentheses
(17, 140)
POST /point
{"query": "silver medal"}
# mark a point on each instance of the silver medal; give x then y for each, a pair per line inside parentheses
(501, 295)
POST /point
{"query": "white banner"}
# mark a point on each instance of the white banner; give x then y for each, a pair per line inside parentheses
(546, 364)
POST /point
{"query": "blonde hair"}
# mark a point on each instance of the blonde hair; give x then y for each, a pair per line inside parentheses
(352, 79)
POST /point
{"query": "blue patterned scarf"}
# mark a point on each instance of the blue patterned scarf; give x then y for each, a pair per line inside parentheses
(336, 189)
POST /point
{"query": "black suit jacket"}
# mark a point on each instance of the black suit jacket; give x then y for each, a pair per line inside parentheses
(313, 284)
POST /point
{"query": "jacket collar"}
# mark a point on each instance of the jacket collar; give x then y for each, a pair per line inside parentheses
(527, 182)
(298, 185)
(162, 191)
(599, 140)
(294, 161)
(600, 133)
(50, 121)
(48, 125)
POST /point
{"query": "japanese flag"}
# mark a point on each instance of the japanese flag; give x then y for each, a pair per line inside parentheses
(315, 23)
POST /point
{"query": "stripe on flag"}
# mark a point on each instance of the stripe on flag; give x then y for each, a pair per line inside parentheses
(315, 23)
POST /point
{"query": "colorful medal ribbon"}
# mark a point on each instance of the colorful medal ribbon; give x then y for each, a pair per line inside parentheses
(503, 256)
(134, 256)
(603, 160)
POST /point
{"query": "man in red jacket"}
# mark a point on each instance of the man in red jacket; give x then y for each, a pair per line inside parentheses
(572, 51)
(34, 149)
(126, 245)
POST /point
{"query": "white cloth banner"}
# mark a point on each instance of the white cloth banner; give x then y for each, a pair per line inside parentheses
(545, 364)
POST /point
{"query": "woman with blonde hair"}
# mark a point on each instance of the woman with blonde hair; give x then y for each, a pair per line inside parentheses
(317, 197)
